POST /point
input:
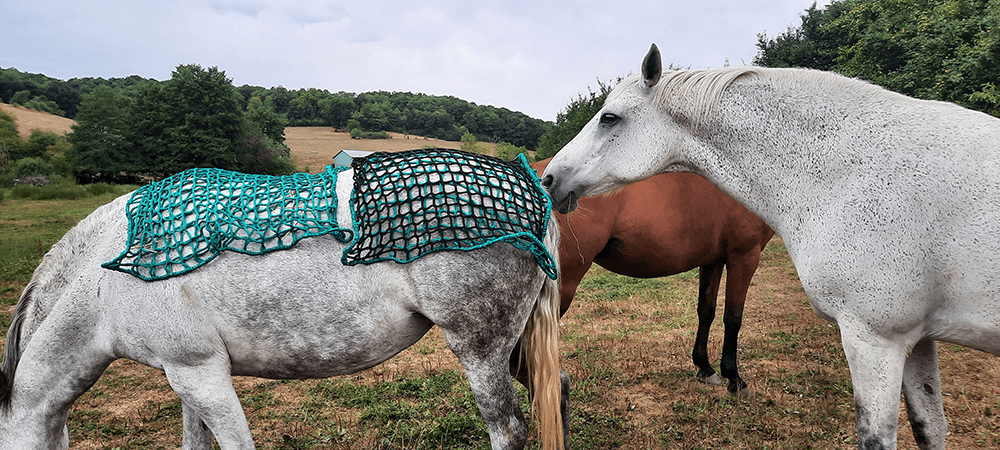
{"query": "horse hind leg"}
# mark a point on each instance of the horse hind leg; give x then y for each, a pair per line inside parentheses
(709, 277)
(64, 359)
(489, 378)
(922, 391)
(520, 373)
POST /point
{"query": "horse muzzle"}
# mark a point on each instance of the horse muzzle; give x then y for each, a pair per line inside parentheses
(564, 203)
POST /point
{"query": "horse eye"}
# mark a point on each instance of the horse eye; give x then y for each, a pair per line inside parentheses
(609, 119)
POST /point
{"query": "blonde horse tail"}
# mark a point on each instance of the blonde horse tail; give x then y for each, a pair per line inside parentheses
(541, 347)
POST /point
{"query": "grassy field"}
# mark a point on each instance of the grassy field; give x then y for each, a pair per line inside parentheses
(626, 343)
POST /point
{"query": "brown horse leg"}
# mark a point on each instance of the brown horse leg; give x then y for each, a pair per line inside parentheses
(709, 277)
(740, 273)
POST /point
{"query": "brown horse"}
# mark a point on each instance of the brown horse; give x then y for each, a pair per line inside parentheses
(662, 226)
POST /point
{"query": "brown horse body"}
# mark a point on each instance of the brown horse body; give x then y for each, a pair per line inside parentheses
(662, 226)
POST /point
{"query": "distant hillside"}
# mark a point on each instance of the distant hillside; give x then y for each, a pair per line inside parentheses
(29, 119)
(312, 147)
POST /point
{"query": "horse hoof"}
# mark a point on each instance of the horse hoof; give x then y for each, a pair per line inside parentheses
(743, 393)
(713, 380)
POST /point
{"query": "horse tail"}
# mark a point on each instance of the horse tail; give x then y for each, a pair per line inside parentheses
(541, 347)
(12, 350)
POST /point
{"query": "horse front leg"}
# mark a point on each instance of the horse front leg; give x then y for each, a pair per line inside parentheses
(709, 277)
(922, 391)
(207, 395)
(197, 435)
(876, 364)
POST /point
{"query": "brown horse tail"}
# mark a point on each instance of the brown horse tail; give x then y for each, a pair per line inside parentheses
(12, 351)
(541, 346)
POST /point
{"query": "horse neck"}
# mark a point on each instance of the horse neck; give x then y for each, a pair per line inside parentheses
(783, 158)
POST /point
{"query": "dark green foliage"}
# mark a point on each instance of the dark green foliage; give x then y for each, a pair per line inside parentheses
(31, 167)
(102, 138)
(938, 50)
(260, 154)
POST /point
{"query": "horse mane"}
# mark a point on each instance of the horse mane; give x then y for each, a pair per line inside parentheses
(694, 95)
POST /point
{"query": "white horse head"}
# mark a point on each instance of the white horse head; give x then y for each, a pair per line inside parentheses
(614, 148)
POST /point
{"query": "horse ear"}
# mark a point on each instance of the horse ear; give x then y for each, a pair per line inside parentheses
(652, 66)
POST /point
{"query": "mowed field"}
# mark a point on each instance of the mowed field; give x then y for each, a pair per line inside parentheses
(314, 147)
(29, 119)
(625, 342)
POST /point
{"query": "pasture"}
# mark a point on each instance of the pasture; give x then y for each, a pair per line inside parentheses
(625, 342)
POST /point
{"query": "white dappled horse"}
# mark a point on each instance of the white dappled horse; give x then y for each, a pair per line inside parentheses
(295, 313)
(889, 207)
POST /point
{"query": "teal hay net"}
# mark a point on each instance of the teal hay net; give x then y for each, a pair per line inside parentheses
(412, 203)
(182, 222)
(405, 205)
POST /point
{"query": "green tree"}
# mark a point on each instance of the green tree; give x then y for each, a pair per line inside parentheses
(470, 144)
(101, 137)
(194, 120)
(260, 115)
(20, 97)
(814, 44)
(939, 50)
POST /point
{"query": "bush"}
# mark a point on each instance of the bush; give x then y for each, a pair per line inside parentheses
(510, 151)
(31, 167)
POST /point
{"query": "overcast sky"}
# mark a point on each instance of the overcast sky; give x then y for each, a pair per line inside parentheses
(529, 56)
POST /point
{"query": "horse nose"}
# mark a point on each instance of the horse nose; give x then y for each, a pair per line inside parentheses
(547, 181)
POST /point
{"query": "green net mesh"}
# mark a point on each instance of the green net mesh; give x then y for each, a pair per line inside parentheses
(404, 205)
(184, 221)
(408, 204)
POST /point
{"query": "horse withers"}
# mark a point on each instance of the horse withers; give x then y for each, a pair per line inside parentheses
(889, 207)
(294, 313)
(668, 224)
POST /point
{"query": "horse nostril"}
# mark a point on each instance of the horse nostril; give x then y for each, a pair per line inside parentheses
(547, 181)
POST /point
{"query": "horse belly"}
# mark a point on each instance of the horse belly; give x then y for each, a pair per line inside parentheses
(332, 349)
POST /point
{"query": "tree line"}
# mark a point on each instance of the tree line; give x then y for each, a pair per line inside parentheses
(132, 129)
(930, 49)
(442, 117)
